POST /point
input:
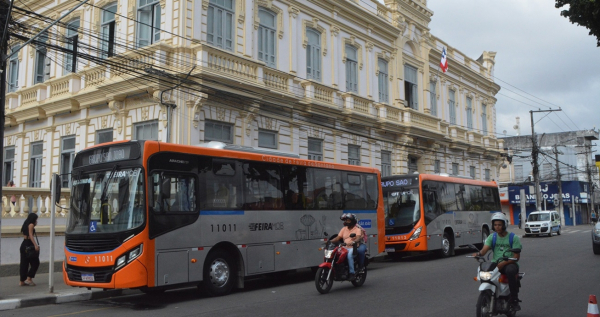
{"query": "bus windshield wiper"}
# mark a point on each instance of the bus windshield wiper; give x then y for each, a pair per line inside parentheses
(110, 176)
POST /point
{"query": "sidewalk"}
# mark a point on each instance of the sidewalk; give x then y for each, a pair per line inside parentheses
(13, 296)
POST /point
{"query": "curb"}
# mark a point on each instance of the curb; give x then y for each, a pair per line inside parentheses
(9, 304)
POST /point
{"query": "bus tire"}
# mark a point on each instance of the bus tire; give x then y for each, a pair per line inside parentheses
(219, 273)
(447, 246)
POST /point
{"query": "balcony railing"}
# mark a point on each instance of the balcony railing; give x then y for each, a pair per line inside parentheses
(39, 199)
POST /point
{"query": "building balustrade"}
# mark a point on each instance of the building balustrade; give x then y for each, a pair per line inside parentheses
(35, 200)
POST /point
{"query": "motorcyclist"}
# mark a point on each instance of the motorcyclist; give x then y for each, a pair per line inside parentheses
(350, 227)
(510, 267)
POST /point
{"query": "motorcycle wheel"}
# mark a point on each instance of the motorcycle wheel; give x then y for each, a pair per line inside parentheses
(484, 304)
(360, 278)
(323, 283)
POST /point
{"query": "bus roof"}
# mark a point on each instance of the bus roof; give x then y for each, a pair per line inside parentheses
(443, 178)
(268, 158)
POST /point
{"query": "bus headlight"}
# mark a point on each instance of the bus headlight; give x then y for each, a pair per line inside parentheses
(485, 276)
(133, 254)
(120, 261)
(416, 234)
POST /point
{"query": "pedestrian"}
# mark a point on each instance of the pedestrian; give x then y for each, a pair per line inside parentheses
(13, 199)
(520, 221)
(593, 217)
(29, 265)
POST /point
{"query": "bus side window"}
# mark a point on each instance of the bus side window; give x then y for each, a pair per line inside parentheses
(372, 191)
(262, 186)
(173, 193)
(222, 185)
(293, 180)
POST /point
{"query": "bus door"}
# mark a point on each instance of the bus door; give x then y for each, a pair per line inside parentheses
(432, 212)
(172, 198)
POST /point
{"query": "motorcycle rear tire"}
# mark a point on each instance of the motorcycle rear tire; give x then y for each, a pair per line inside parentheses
(322, 283)
(360, 278)
(484, 303)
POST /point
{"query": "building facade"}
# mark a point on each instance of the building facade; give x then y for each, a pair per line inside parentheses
(565, 157)
(355, 82)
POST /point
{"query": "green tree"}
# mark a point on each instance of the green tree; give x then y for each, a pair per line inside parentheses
(583, 12)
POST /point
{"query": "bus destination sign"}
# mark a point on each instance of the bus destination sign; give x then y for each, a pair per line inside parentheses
(400, 182)
(106, 155)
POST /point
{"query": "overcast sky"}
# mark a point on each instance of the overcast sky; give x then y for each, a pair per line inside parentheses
(542, 60)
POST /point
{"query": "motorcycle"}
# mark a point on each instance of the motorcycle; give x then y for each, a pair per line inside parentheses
(335, 267)
(494, 293)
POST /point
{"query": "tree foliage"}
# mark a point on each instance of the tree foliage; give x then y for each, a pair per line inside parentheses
(583, 12)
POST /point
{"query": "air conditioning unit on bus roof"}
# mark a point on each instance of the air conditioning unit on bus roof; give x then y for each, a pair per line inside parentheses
(250, 149)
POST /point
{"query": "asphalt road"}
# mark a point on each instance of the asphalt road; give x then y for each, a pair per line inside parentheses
(561, 273)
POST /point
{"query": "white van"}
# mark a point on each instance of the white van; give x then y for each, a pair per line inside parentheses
(543, 222)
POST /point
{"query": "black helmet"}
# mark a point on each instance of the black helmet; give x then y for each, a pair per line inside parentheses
(350, 216)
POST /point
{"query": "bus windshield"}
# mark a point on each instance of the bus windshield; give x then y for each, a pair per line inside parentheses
(402, 208)
(107, 201)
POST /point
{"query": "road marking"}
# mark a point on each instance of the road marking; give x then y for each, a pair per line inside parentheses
(81, 312)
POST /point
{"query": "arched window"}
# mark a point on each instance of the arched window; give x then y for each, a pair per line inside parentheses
(266, 37)
(313, 54)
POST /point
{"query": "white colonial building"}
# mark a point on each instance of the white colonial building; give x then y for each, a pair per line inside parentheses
(355, 82)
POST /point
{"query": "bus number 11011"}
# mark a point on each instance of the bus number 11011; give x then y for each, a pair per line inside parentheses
(223, 228)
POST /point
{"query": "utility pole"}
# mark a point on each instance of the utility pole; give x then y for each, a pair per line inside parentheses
(559, 181)
(5, 11)
(534, 155)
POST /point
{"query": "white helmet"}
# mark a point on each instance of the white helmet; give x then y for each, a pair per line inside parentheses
(500, 216)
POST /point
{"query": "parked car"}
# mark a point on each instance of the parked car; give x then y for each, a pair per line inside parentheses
(543, 222)
(596, 238)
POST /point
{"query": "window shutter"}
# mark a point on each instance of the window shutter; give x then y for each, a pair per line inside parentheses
(415, 98)
(144, 29)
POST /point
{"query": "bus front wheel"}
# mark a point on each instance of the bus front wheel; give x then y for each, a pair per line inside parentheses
(447, 246)
(219, 273)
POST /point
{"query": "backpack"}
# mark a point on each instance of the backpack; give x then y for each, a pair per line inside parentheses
(511, 237)
(363, 233)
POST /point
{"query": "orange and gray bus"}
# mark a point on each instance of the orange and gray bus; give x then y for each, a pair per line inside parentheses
(152, 215)
(427, 212)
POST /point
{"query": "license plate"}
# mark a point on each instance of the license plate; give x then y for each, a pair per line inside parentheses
(87, 277)
(390, 250)
(535, 230)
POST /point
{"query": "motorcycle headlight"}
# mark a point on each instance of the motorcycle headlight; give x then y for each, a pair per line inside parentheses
(545, 224)
(485, 276)
(328, 253)
(416, 234)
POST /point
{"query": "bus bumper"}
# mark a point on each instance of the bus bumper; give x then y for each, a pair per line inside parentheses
(133, 275)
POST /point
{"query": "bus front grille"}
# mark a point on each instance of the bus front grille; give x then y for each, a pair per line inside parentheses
(95, 245)
(101, 274)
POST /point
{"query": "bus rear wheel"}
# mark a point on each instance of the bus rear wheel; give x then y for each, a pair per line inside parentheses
(219, 273)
